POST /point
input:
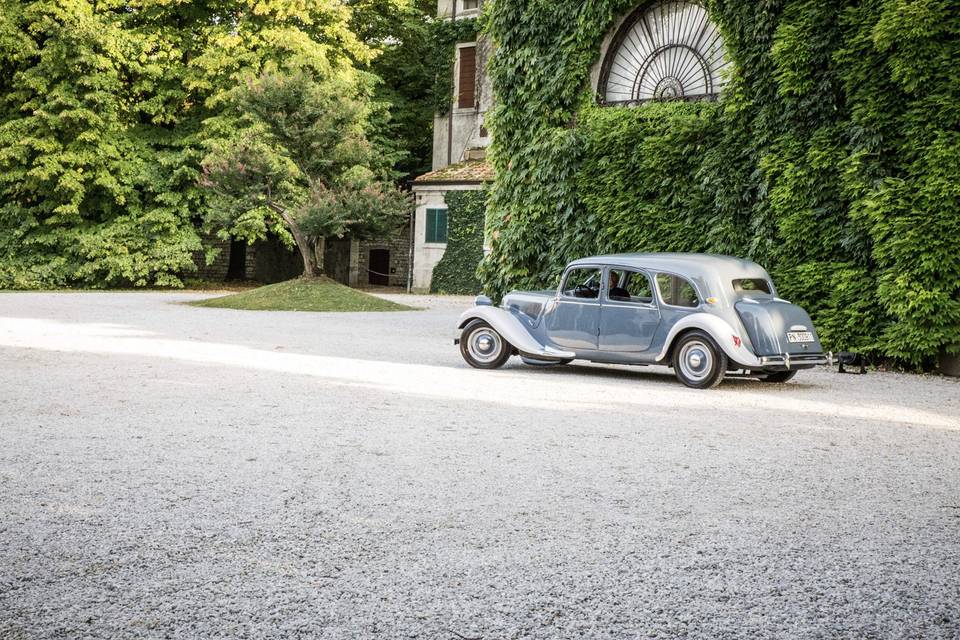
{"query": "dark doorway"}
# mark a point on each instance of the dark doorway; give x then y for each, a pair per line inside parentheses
(379, 267)
(336, 259)
(273, 261)
(237, 268)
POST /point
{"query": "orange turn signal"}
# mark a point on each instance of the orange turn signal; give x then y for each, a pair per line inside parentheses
(711, 300)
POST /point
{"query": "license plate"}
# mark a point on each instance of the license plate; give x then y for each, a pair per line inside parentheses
(799, 336)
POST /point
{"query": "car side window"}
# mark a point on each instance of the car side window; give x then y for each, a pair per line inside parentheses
(630, 286)
(677, 291)
(582, 283)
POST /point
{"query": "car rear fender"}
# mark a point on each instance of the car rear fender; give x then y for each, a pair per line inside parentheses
(728, 338)
(513, 331)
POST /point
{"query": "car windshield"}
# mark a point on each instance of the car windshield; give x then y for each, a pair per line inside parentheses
(752, 287)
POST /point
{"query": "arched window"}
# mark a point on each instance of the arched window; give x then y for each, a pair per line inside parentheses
(665, 50)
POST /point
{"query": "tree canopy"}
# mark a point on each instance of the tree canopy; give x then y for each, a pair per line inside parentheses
(107, 109)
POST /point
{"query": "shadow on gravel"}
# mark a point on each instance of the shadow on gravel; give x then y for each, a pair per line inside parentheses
(662, 375)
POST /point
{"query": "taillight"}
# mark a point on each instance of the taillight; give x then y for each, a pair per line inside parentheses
(736, 341)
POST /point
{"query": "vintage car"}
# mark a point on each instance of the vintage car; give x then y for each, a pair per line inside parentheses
(702, 315)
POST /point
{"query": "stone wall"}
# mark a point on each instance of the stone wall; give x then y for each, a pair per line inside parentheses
(218, 269)
(270, 261)
(398, 244)
(264, 261)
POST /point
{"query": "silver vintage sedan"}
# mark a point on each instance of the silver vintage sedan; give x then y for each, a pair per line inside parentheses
(703, 315)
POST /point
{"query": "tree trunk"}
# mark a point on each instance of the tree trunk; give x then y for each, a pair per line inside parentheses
(312, 267)
(319, 246)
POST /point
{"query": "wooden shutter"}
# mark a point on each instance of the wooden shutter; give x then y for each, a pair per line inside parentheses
(436, 230)
(468, 78)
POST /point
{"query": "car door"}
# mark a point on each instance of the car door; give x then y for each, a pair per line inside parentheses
(574, 320)
(629, 314)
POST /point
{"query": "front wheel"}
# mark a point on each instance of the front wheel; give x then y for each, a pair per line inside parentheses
(482, 347)
(779, 376)
(698, 362)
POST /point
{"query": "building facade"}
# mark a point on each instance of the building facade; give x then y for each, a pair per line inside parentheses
(378, 262)
(460, 139)
(661, 50)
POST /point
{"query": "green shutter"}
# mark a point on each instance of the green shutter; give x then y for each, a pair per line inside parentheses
(436, 231)
(442, 225)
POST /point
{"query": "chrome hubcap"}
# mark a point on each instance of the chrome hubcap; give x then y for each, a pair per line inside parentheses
(696, 361)
(484, 345)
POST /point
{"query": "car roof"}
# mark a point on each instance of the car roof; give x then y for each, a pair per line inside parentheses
(704, 266)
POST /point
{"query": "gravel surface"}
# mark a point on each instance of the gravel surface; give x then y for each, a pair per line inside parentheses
(171, 471)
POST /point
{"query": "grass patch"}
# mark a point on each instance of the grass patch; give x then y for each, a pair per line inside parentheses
(314, 294)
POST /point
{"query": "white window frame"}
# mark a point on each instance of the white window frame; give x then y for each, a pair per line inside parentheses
(466, 13)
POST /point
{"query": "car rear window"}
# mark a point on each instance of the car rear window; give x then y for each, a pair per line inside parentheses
(752, 285)
(676, 291)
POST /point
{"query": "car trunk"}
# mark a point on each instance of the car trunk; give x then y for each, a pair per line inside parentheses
(771, 323)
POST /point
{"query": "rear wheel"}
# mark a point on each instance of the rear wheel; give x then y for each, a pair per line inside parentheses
(482, 347)
(698, 362)
(779, 376)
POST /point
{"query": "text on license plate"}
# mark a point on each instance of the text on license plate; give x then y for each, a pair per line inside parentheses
(799, 336)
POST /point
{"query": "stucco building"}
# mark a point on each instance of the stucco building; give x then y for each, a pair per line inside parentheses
(460, 139)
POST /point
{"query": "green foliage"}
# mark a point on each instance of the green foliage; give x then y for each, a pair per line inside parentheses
(456, 271)
(102, 112)
(832, 159)
(403, 33)
(299, 159)
(90, 191)
(302, 294)
(415, 62)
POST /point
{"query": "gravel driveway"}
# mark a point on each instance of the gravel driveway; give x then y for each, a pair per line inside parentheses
(171, 471)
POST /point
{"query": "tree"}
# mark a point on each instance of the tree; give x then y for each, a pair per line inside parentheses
(403, 32)
(94, 188)
(105, 107)
(300, 164)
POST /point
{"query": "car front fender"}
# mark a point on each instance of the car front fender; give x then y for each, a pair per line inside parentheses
(726, 337)
(512, 331)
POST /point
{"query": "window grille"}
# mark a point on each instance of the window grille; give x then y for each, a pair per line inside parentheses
(665, 50)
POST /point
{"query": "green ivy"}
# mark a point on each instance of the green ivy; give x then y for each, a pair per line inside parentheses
(456, 271)
(832, 158)
(446, 34)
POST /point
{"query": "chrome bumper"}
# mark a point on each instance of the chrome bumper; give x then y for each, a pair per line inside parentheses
(787, 361)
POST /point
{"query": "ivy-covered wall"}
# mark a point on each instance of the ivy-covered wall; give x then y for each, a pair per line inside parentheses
(456, 271)
(445, 34)
(832, 158)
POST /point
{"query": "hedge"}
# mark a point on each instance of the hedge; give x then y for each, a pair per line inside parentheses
(832, 158)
